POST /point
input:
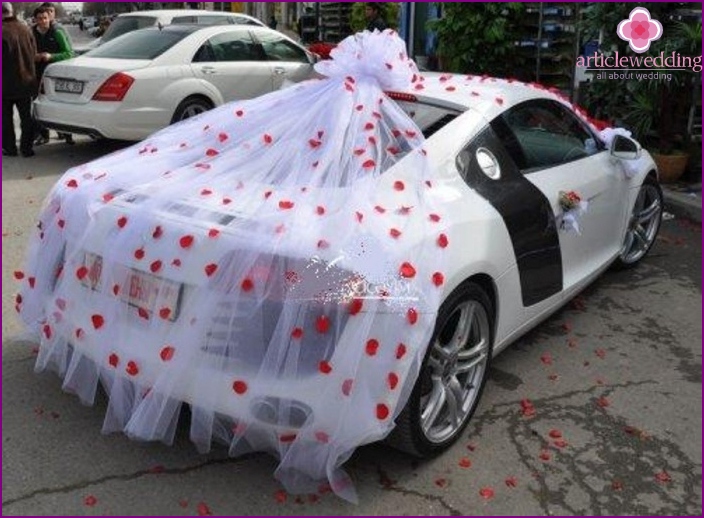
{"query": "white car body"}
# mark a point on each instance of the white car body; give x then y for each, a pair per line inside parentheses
(163, 83)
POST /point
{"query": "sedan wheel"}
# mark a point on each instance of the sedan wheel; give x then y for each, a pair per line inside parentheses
(452, 376)
(643, 224)
(190, 107)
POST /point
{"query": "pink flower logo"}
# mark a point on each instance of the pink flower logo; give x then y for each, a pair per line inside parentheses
(639, 30)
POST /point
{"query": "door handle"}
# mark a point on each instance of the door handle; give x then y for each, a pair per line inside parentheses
(279, 70)
(208, 70)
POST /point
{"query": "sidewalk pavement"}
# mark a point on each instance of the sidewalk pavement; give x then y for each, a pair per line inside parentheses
(683, 200)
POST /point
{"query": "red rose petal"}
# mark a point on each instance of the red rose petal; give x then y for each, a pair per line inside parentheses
(322, 324)
(442, 241)
(325, 367)
(90, 501)
(167, 353)
(98, 321)
(19, 275)
(239, 386)
(143, 313)
(165, 313)
(663, 477)
(399, 186)
(555, 434)
(132, 368)
(347, 386)
(434, 218)
(268, 139)
(203, 509)
(438, 279)
(355, 306)
(286, 205)
(487, 493)
(546, 358)
(602, 402)
(465, 462)
(158, 232)
(392, 380)
(122, 221)
(511, 482)
(72, 183)
(155, 266)
(382, 411)
(186, 241)
(280, 496)
(545, 456)
(407, 270)
(372, 347)
(412, 316)
(401, 350)
(369, 164)
(395, 233)
(247, 284)
(213, 233)
(320, 210)
(441, 482)
(297, 333)
(210, 269)
(114, 360)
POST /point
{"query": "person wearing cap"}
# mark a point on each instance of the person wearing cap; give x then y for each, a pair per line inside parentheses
(18, 82)
(375, 21)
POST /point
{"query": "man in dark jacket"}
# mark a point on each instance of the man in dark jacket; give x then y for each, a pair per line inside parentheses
(375, 21)
(18, 82)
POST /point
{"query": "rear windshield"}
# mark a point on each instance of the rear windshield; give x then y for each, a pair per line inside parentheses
(428, 117)
(145, 44)
(124, 24)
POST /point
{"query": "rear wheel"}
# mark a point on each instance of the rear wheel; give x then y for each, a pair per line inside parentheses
(643, 225)
(190, 107)
(452, 376)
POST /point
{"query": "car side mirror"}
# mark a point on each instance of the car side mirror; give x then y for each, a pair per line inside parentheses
(625, 148)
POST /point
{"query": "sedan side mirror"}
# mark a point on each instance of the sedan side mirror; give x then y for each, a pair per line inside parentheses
(625, 148)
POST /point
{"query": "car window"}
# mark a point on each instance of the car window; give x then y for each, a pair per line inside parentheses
(239, 20)
(144, 44)
(233, 46)
(124, 24)
(183, 20)
(278, 48)
(214, 20)
(429, 118)
(548, 134)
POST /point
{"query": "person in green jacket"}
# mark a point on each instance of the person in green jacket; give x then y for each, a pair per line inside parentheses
(52, 46)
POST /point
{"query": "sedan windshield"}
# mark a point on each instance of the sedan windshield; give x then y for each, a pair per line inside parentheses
(144, 44)
(124, 24)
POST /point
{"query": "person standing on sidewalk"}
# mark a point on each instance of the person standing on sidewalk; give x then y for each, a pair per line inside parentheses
(18, 82)
(52, 46)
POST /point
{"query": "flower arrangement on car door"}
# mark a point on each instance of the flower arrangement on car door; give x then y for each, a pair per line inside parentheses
(573, 208)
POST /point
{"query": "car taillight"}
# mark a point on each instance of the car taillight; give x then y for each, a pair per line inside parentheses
(115, 88)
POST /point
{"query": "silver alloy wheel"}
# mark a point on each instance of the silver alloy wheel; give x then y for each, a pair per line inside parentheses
(192, 110)
(643, 225)
(456, 363)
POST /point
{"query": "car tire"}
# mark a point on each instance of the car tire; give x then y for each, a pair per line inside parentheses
(453, 374)
(190, 107)
(643, 224)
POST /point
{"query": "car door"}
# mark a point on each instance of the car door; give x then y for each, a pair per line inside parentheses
(234, 64)
(288, 60)
(558, 153)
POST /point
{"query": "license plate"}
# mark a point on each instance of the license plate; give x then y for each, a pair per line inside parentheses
(141, 289)
(68, 86)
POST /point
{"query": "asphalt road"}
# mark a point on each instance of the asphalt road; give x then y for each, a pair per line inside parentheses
(615, 380)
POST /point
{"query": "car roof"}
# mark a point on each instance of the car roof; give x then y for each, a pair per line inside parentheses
(488, 95)
(168, 14)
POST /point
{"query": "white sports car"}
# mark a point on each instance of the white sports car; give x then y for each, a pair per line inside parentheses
(320, 280)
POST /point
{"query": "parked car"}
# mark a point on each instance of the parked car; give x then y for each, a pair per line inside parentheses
(127, 22)
(310, 274)
(150, 78)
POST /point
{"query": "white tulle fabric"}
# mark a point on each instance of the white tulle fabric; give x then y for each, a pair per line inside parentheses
(276, 264)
